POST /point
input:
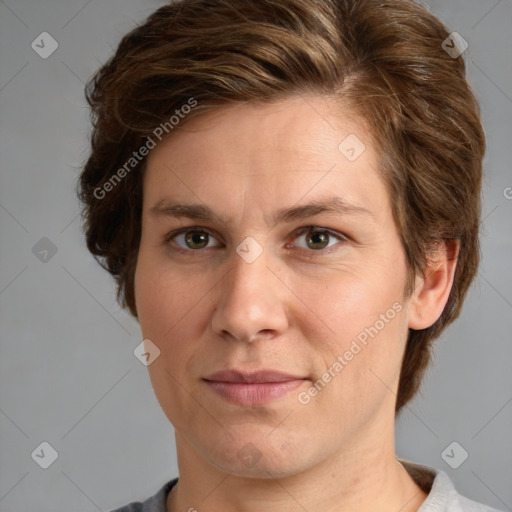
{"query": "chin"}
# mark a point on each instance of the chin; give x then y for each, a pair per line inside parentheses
(249, 457)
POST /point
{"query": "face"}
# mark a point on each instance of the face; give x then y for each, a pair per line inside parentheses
(270, 276)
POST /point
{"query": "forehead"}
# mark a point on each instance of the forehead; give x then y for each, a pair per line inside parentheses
(264, 156)
(301, 124)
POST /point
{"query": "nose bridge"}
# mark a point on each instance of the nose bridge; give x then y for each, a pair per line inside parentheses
(251, 300)
(249, 268)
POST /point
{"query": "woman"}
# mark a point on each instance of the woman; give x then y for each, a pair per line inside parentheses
(278, 189)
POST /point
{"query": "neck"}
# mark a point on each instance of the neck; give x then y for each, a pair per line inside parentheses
(359, 477)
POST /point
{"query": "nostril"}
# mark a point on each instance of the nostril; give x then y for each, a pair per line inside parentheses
(264, 333)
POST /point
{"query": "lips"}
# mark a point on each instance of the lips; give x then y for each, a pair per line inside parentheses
(251, 389)
(259, 377)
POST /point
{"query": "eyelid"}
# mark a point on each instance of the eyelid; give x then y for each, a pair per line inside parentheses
(179, 231)
(333, 232)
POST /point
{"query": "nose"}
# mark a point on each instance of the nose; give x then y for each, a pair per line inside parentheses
(251, 301)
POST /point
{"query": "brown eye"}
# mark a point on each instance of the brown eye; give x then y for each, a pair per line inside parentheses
(194, 239)
(316, 239)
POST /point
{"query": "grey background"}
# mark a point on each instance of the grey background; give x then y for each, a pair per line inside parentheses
(68, 375)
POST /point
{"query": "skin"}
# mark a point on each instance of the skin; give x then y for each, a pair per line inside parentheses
(295, 309)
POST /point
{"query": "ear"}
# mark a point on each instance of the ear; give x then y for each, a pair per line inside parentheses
(433, 288)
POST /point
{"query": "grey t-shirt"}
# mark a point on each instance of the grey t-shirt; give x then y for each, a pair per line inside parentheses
(442, 496)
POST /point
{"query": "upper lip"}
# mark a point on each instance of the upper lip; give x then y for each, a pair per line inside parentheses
(257, 377)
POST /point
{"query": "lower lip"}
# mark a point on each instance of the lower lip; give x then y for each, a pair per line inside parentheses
(253, 393)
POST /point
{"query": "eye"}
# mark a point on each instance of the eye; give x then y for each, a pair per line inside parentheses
(316, 239)
(192, 239)
(311, 238)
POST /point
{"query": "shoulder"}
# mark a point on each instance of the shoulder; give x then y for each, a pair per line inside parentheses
(474, 506)
(155, 503)
(442, 495)
(446, 498)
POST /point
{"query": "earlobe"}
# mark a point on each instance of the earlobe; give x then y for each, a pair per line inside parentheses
(433, 288)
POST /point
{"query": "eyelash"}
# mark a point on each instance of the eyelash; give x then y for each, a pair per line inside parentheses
(168, 239)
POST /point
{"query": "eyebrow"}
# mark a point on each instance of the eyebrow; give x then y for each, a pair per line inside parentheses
(334, 205)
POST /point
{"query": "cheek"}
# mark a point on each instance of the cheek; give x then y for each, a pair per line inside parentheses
(168, 308)
(363, 320)
(344, 303)
(166, 301)
(174, 309)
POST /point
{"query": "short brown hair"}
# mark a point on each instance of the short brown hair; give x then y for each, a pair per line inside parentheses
(382, 58)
